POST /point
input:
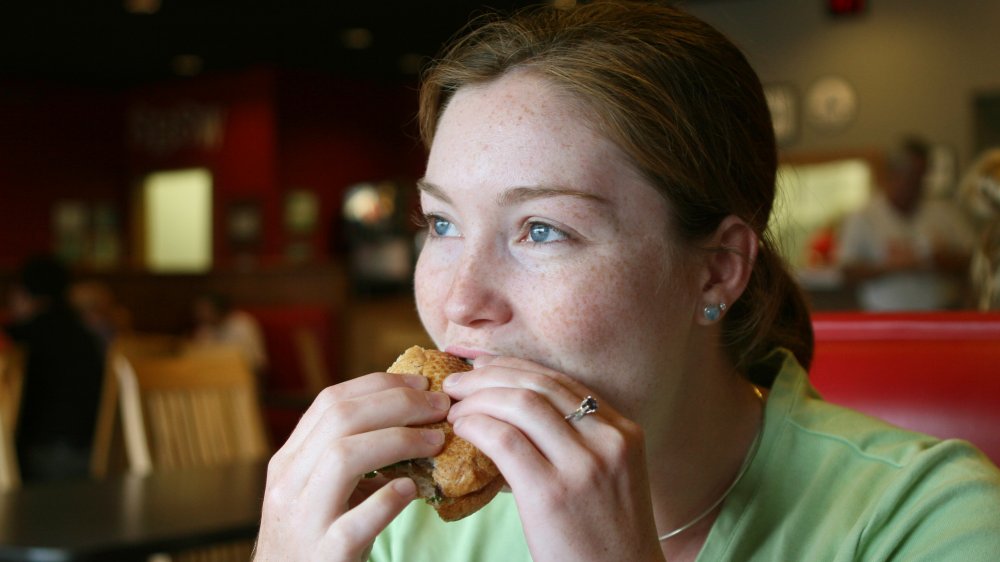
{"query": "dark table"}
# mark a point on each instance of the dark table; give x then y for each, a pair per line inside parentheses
(130, 517)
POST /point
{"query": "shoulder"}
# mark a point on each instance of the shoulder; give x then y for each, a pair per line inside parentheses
(860, 440)
(943, 504)
(836, 484)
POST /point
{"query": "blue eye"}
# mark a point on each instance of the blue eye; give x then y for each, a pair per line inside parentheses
(441, 226)
(539, 232)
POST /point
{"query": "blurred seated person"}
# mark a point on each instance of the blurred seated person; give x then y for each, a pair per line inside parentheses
(218, 322)
(905, 251)
(980, 195)
(64, 364)
(99, 310)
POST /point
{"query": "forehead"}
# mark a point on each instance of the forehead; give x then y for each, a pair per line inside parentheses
(521, 130)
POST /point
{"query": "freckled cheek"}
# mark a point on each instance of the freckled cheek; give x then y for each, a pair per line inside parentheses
(431, 284)
(607, 318)
(585, 317)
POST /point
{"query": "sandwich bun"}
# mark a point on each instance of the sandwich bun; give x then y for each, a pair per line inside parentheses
(460, 479)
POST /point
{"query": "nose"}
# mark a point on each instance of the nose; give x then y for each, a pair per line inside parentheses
(477, 296)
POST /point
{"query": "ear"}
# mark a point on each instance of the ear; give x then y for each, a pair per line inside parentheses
(730, 255)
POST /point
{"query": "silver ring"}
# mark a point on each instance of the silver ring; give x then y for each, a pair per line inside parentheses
(587, 407)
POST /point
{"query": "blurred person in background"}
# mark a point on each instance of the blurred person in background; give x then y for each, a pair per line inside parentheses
(99, 310)
(64, 364)
(980, 196)
(904, 251)
(218, 322)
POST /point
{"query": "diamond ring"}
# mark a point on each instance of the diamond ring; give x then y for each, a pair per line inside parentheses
(587, 407)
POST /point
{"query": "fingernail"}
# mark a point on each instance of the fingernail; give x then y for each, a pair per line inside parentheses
(433, 436)
(416, 381)
(452, 380)
(405, 487)
(439, 400)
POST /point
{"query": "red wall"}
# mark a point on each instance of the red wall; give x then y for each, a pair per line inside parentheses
(336, 133)
(275, 132)
(56, 142)
(165, 123)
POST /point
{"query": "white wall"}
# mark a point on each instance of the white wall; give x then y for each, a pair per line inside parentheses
(915, 64)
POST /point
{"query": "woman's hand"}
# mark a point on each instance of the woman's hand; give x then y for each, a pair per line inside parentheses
(318, 505)
(581, 486)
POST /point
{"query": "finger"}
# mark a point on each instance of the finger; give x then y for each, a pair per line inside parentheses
(355, 531)
(560, 388)
(518, 363)
(536, 463)
(516, 456)
(355, 388)
(576, 388)
(387, 408)
(393, 408)
(336, 473)
(316, 491)
(530, 412)
(367, 486)
(510, 365)
(565, 395)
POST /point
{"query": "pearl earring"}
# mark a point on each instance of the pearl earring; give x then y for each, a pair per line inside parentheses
(714, 311)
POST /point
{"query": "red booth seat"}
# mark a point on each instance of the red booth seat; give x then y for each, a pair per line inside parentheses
(303, 356)
(937, 373)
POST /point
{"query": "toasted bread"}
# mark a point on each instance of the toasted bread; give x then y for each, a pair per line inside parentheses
(460, 479)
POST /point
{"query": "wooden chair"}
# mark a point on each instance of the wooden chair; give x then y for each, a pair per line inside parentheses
(109, 453)
(10, 476)
(11, 381)
(199, 407)
(310, 352)
(149, 344)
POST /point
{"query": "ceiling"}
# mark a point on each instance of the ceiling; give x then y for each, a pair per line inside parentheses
(99, 42)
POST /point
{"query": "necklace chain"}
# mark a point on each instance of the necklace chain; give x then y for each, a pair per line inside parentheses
(739, 475)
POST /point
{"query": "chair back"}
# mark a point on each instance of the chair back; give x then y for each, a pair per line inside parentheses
(196, 408)
(109, 454)
(11, 381)
(149, 344)
(310, 352)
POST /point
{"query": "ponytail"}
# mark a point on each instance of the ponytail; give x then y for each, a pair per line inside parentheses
(771, 313)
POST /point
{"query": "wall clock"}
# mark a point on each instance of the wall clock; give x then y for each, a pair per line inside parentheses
(831, 103)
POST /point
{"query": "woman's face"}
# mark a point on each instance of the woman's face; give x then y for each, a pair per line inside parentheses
(545, 244)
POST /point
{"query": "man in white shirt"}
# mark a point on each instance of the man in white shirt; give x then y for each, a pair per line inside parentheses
(903, 251)
(217, 322)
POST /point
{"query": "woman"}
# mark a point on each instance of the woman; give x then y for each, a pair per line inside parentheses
(596, 194)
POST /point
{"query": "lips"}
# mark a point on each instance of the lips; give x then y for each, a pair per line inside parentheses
(468, 353)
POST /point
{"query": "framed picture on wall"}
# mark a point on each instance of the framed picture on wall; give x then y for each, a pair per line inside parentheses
(71, 227)
(301, 211)
(243, 224)
(782, 101)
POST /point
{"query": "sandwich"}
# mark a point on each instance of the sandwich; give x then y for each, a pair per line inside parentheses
(460, 479)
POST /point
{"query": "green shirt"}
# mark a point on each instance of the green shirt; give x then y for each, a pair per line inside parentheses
(827, 483)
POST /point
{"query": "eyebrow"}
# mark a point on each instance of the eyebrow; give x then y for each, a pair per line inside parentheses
(516, 195)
